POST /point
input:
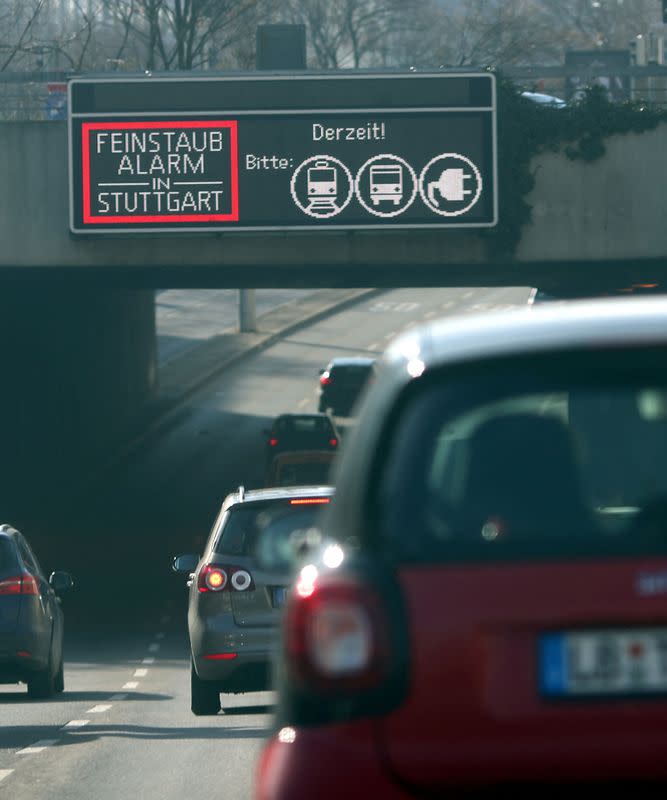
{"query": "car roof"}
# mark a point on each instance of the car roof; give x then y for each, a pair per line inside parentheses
(278, 493)
(352, 361)
(543, 327)
(296, 415)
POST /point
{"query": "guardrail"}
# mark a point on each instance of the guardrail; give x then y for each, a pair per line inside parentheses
(43, 96)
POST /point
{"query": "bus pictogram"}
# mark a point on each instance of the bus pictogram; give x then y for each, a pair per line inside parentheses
(386, 183)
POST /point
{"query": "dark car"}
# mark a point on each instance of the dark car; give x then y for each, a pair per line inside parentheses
(493, 613)
(301, 468)
(292, 432)
(235, 603)
(31, 618)
(342, 383)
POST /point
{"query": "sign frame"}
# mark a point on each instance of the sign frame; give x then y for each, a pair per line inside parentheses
(230, 114)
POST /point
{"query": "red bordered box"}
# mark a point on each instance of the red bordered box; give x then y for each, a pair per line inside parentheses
(232, 216)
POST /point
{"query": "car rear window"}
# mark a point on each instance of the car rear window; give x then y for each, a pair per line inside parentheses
(356, 372)
(245, 523)
(8, 560)
(304, 424)
(531, 461)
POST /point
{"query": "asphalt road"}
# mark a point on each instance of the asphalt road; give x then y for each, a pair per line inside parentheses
(184, 318)
(123, 727)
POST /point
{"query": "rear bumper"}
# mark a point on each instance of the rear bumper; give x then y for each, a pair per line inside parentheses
(252, 648)
(326, 763)
(15, 668)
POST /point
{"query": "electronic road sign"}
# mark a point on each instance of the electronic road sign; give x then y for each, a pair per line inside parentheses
(282, 151)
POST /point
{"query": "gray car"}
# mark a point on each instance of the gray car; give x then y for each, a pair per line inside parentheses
(234, 604)
(31, 619)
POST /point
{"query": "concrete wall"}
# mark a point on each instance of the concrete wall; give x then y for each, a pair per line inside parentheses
(78, 367)
(611, 209)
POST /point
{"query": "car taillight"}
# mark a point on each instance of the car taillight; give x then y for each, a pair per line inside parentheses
(220, 578)
(19, 584)
(325, 379)
(333, 442)
(273, 442)
(337, 636)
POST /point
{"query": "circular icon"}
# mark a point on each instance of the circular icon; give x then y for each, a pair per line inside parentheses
(317, 186)
(384, 192)
(450, 184)
(241, 580)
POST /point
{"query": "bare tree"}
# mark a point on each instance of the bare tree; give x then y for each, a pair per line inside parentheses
(177, 34)
(351, 33)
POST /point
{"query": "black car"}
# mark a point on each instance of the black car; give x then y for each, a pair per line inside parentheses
(31, 618)
(342, 382)
(291, 432)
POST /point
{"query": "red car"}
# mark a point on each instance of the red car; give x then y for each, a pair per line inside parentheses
(490, 611)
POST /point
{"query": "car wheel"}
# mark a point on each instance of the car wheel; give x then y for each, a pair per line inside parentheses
(59, 680)
(42, 684)
(204, 695)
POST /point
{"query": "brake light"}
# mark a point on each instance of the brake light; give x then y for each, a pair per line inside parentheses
(273, 442)
(325, 379)
(309, 501)
(221, 578)
(337, 636)
(333, 442)
(19, 584)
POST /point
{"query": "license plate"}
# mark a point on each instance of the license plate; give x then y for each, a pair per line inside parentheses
(603, 662)
(279, 595)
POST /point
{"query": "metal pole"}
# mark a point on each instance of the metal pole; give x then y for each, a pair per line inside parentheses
(247, 315)
(278, 47)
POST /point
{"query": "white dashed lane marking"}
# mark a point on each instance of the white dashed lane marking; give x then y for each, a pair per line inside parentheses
(153, 648)
(133, 684)
(42, 744)
(430, 314)
(159, 635)
(98, 709)
(119, 697)
(303, 403)
(5, 773)
(75, 723)
(140, 673)
(373, 346)
(150, 660)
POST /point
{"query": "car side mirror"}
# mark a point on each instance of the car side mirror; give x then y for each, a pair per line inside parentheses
(61, 582)
(185, 563)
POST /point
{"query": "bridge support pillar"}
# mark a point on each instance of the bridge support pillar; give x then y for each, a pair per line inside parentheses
(78, 368)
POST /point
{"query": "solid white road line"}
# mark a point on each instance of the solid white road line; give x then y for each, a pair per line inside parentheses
(75, 723)
(153, 648)
(131, 684)
(5, 773)
(119, 697)
(98, 709)
(42, 744)
(150, 660)
(140, 673)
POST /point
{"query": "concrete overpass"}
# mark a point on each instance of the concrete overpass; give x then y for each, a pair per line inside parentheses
(78, 344)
